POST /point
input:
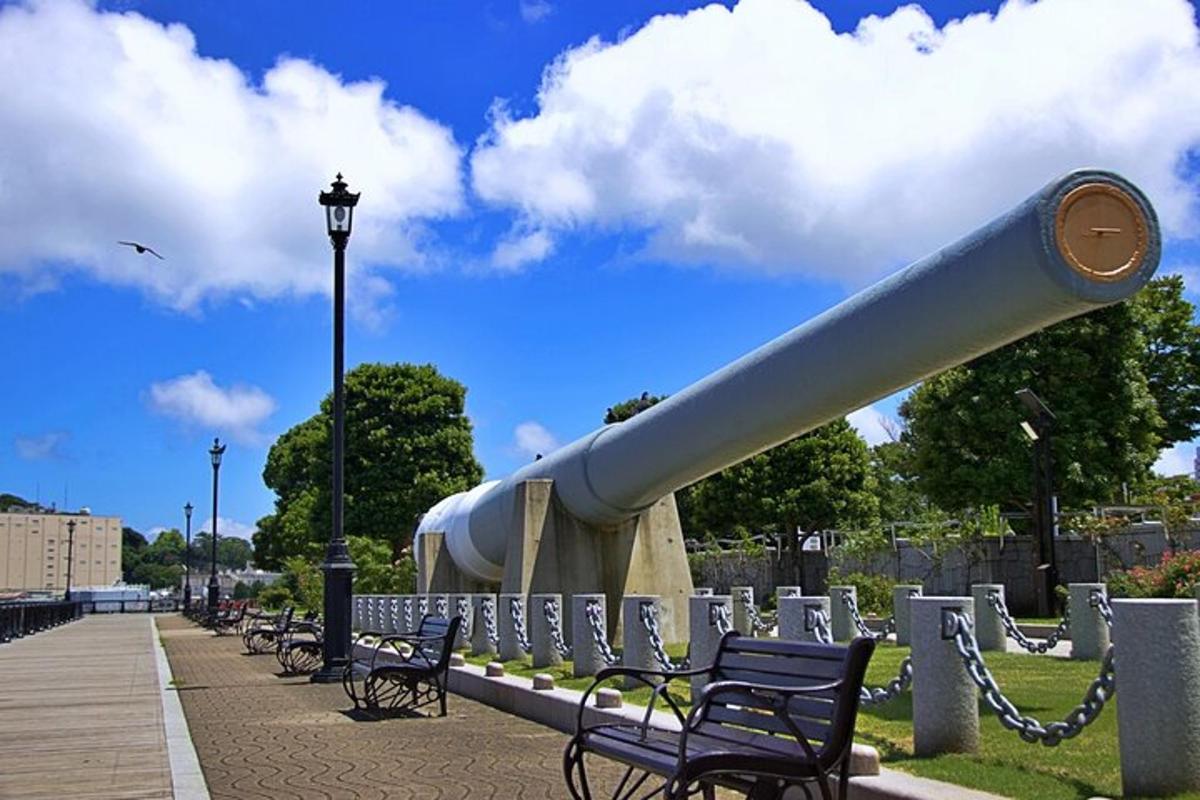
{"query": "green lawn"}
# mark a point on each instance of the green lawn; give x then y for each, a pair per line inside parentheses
(1042, 686)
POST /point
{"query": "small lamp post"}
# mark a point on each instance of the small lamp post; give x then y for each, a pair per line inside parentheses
(1038, 429)
(70, 556)
(187, 559)
(339, 569)
(214, 586)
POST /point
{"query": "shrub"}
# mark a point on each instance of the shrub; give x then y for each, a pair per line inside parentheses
(1177, 575)
(275, 597)
(874, 591)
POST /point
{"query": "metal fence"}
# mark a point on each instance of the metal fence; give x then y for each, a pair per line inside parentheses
(20, 618)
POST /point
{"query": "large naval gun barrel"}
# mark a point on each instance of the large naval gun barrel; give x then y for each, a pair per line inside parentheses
(1086, 240)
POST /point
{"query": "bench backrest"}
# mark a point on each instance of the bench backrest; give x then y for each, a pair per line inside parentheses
(826, 719)
(284, 619)
(438, 654)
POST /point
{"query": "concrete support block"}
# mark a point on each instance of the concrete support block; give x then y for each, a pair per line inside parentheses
(945, 701)
(1089, 632)
(510, 646)
(743, 602)
(480, 643)
(586, 658)
(844, 628)
(544, 653)
(460, 606)
(636, 639)
(797, 617)
(900, 610)
(702, 591)
(457, 660)
(543, 682)
(989, 629)
(1158, 678)
(704, 613)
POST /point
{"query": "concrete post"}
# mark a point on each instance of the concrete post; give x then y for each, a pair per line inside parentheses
(460, 606)
(702, 591)
(1089, 631)
(439, 605)
(371, 619)
(480, 643)
(356, 614)
(636, 639)
(1158, 679)
(421, 607)
(510, 646)
(743, 601)
(703, 634)
(407, 621)
(797, 621)
(387, 621)
(989, 629)
(586, 658)
(900, 610)
(945, 701)
(544, 653)
(844, 628)
(786, 591)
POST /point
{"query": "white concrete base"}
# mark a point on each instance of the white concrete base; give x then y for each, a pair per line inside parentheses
(891, 784)
(187, 779)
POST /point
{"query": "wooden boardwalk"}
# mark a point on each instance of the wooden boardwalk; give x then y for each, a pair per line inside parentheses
(81, 713)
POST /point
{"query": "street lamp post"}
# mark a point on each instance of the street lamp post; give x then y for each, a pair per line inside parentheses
(214, 586)
(70, 555)
(1044, 512)
(187, 560)
(339, 569)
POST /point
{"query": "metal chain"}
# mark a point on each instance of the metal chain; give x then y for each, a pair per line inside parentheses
(721, 619)
(1029, 728)
(756, 621)
(877, 695)
(408, 615)
(851, 603)
(1017, 635)
(518, 619)
(463, 607)
(821, 627)
(657, 648)
(550, 609)
(488, 609)
(595, 618)
(1098, 601)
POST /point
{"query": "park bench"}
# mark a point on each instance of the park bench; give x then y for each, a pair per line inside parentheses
(411, 673)
(230, 618)
(300, 649)
(263, 638)
(775, 714)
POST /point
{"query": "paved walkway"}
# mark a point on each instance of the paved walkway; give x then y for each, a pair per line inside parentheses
(259, 735)
(81, 713)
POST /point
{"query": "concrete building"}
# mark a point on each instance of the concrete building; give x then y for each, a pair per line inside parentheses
(33, 550)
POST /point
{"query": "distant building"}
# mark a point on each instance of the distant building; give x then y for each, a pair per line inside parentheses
(229, 579)
(34, 545)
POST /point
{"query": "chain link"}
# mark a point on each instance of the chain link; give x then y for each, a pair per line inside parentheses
(463, 609)
(877, 695)
(518, 620)
(657, 648)
(407, 603)
(721, 618)
(550, 609)
(851, 603)
(1099, 601)
(1029, 728)
(595, 618)
(759, 624)
(488, 609)
(1017, 635)
(819, 624)
(441, 607)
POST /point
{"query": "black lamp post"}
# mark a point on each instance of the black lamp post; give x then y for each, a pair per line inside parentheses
(1039, 430)
(214, 586)
(339, 569)
(70, 555)
(187, 560)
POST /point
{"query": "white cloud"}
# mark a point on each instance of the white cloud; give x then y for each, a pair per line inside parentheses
(1177, 460)
(873, 425)
(197, 400)
(227, 527)
(535, 10)
(531, 438)
(760, 138)
(42, 447)
(116, 128)
(520, 249)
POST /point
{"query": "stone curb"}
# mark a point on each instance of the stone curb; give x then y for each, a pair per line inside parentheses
(187, 779)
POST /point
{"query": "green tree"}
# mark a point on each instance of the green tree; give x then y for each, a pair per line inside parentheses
(133, 547)
(167, 548)
(1170, 358)
(631, 407)
(233, 552)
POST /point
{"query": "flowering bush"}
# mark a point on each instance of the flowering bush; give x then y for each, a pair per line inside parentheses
(1177, 575)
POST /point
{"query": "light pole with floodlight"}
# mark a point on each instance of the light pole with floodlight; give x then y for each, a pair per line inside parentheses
(214, 586)
(338, 567)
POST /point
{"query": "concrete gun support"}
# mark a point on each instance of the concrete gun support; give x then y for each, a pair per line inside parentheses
(598, 514)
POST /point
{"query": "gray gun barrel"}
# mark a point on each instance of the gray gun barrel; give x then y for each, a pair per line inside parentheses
(1085, 241)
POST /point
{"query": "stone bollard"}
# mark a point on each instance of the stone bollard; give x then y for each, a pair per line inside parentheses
(843, 626)
(460, 606)
(544, 653)
(480, 643)
(494, 669)
(543, 682)
(439, 605)
(1089, 632)
(704, 613)
(356, 613)
(510, 644)
(900, 610)
(1157, 667)
(608, 698)
(586, 657)
(387, 617)
(743, 602)
(945, 701)
(638, 652)
(797, 620)
(421, 607)
(370, 619)
(786, 591)
(989, 629)
(702, 591)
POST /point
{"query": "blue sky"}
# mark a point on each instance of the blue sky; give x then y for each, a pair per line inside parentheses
(673, 195)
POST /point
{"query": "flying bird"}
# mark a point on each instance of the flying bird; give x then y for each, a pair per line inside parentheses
(141, 248)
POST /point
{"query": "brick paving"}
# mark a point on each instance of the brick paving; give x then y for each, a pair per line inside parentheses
(259, 735)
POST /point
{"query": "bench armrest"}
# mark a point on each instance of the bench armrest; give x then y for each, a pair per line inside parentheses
(643, 676)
